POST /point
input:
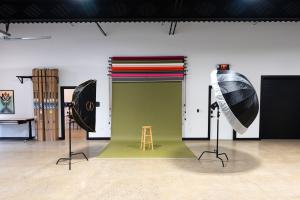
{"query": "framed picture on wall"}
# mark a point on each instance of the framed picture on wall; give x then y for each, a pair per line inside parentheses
(7, 102)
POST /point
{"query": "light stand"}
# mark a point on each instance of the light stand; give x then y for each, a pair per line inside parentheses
(216, 151)
(70, 105)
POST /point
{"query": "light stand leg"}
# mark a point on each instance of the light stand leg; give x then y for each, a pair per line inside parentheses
(70, 145)
(216, 151)
(204, 153)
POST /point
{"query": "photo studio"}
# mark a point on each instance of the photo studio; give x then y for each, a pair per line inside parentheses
(149, 99)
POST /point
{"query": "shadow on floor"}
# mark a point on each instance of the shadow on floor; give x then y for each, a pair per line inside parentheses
(91, 150)
(238, 162)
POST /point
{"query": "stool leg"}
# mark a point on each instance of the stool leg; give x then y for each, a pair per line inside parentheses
(151, 138)
(142, 138)
(147, 138)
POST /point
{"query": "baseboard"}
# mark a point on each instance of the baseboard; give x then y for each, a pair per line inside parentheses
(14, 138)
(108, 138)
(98, 138)
(90, 138)
(235, 138)
(209, 139)
(195, 138)
(246, 139)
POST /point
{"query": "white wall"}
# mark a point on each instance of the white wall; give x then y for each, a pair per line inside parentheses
(81, 52)
(23, 100)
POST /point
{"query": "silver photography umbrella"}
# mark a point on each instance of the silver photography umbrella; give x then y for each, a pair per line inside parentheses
(236, 97)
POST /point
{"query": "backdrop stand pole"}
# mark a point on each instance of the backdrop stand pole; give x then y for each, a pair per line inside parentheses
(70, 141)
(216, 151)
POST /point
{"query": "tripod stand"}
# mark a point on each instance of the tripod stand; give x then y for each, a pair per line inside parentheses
(216, 151)
(70, 141)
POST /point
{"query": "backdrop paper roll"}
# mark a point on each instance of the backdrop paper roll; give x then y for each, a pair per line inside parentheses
(147, 68)
(236, 97)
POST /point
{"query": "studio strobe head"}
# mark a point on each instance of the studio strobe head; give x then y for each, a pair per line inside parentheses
(84, 105)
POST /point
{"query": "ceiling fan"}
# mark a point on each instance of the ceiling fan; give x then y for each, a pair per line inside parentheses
(24, 38)
(7, 36)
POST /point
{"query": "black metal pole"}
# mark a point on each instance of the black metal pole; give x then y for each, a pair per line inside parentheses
(30, 130)
(209, 112)
(5, 33)
(174, 28)
(70, 143)
(101, 29)
(170, 30)
(70, 147)
(216, 151)
(218, 116)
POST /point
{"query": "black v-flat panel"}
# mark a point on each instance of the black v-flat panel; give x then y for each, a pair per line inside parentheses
(280, 107)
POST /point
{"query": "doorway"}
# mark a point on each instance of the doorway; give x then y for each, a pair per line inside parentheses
(77, 133)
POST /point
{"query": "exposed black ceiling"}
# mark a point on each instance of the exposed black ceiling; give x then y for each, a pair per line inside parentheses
(16, 11)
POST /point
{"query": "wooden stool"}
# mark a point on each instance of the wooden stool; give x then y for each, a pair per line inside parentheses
(146, 133)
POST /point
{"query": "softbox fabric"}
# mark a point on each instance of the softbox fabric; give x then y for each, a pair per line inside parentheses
(236, 97)
(84, 105)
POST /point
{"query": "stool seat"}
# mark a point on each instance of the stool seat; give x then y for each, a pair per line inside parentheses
(146, 133)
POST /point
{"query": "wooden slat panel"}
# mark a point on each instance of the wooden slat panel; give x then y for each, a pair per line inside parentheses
(55, 90)
(45, 90)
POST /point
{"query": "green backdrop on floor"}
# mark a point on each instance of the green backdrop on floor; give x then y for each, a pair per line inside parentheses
(134, 105)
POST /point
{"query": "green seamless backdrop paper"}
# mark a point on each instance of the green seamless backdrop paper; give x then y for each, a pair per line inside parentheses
(156, 104)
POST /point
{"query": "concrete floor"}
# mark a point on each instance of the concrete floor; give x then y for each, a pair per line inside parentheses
(256, 170)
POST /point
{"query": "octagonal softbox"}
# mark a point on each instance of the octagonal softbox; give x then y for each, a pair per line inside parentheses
(236, 97)
(84, 105)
